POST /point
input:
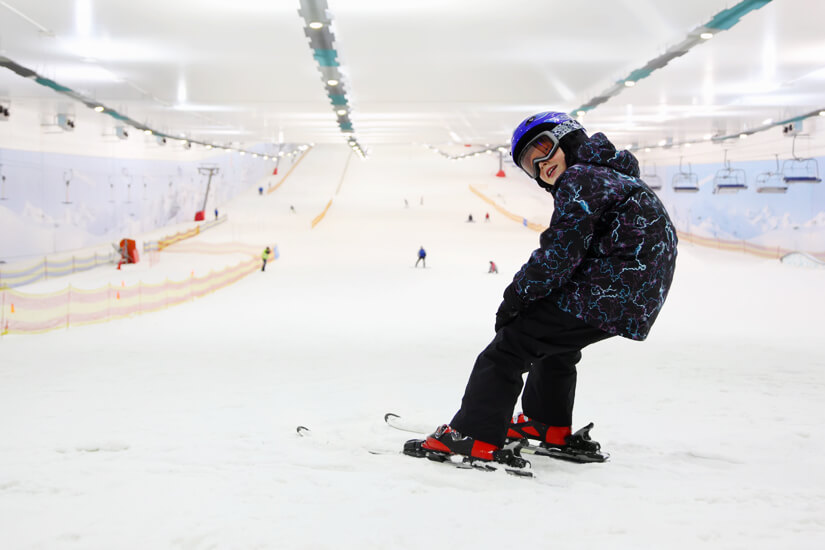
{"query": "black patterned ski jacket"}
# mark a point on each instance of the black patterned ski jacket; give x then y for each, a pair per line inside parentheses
(609, 253)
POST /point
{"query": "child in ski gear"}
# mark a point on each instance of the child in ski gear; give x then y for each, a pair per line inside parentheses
(422, 257)
(603, 268)
(265, 255)
(493, 268)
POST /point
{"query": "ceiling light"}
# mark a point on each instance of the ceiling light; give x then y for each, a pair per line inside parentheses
(341, 112)
(767, 121)
(821, 113)
(243, 153)
(147, 132)
(706, 35)
(208, 146)
(707, 137)
(99, 108)
(629, 83)
(579, 113)
(743, 136)
(316, 25)
(332, 82)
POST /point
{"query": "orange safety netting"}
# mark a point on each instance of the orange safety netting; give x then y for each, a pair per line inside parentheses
(23, 313)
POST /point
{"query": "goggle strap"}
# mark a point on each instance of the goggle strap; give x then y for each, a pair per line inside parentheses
(563, 128)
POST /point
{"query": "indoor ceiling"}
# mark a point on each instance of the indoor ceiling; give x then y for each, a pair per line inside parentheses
(426, 71)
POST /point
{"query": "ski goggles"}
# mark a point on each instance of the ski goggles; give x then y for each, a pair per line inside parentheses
(543, 146)
(540, 148)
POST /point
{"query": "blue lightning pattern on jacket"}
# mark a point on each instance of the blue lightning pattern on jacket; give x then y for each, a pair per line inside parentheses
(609, 253)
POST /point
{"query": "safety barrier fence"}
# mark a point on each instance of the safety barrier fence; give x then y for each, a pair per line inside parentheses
(522, 220)
(47, 268)
(165, 242)
(776, 252)
(24, 313)
(294, 166)
(317, 219)
(60, 265)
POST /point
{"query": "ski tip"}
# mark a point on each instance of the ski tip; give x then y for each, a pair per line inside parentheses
(302, 430)
(390, 415)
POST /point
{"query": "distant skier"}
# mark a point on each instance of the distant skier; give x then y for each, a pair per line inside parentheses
(260, 190)
(216, 213)
(422, 257)
(487, 217)
(603, 268)
(493, 268)
(470, 218)
(265, 255)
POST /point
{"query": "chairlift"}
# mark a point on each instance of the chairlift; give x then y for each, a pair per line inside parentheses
(800, 170)
(652, 179)
(729, 180)
(771, 182)
(685, 182)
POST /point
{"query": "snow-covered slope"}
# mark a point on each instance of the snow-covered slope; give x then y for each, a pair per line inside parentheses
(177, 429)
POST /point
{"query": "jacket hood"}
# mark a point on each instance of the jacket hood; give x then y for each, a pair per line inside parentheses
(600, 151)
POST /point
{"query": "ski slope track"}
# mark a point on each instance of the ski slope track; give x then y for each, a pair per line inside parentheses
(177, 429)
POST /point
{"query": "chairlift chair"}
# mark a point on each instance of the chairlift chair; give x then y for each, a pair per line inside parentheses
(729, 180)
(800, 170)
(771, 182)
(652, 179)
(685, 182)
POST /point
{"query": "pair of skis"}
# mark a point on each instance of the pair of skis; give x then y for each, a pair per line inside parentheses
(581, 448)
(509, 459)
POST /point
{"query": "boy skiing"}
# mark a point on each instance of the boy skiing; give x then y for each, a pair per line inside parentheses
(603, 268)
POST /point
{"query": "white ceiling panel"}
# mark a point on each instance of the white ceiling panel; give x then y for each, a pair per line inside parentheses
(416, 72)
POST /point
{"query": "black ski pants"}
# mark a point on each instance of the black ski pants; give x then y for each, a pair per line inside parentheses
(544, 342)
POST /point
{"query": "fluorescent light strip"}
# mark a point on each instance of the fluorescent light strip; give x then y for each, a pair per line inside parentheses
(22, 15)
(93, 104)
(723, 20)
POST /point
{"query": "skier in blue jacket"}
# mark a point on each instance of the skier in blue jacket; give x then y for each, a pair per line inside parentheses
(603, 268)
(422, 257)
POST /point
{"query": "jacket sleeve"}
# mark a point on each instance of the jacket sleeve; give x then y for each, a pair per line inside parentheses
(563, 245)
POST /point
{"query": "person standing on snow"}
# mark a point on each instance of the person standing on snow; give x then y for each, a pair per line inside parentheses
(603, 268)
(422, 257)
(493, 267)
(265, 255)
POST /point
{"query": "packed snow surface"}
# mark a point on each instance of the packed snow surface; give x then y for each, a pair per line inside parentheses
(177, 429)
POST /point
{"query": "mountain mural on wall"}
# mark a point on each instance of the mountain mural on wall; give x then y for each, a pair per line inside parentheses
(794, 220)
(56, 202)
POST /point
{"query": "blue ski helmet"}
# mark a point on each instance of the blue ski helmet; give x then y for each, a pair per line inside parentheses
(559, 124)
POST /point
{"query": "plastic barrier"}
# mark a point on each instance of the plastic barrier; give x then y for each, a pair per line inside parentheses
(59, 265)
(24, 313)
(774, 252)
(520, 219)
(320, 216)
(14, 275)
(283, 179)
